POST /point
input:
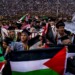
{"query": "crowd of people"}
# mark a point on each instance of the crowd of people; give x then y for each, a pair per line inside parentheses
(66, 7)
(33, 33)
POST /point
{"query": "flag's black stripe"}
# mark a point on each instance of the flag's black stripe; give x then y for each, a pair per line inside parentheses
(34, 54)
(71, 48)
(38, 54)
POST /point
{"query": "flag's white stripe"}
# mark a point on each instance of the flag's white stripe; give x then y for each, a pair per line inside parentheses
(65, 62)
(2, 68)
(25, 66)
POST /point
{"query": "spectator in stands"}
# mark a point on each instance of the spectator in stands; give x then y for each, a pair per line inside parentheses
(11, 33)
(24, 39)
(4, 25)
(32, 24)
(6, 50)
(5, 46)
(37, 26)
(3, 32)
(61, 33)
(23, 44)
(25, 25)
(71, 64)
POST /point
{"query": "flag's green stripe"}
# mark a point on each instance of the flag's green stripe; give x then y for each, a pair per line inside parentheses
(1, 58)
(0, 50)
(37, 72)
(23, 17)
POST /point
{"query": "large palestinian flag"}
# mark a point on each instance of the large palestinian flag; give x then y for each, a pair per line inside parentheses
(39, 62)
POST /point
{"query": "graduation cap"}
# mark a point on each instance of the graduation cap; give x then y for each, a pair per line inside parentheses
(26, 32)
(60, 23)
(11, 28)
(64, 38)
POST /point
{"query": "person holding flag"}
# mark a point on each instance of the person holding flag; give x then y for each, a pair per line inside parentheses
(4, 58)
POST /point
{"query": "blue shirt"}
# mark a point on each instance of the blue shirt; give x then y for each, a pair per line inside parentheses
(17, 46)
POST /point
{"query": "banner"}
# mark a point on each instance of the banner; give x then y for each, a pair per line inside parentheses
(35, 61)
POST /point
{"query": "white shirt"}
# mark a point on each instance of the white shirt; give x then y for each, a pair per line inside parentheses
(54, 30)
(4, 32)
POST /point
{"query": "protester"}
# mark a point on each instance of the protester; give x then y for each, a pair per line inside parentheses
(3, 31)
(5, 45)
(33, 33)
(71, 64)
(61, 32)
(37, 26)
(24, 39)
(11, 33)
(25, 25)
(6, 50)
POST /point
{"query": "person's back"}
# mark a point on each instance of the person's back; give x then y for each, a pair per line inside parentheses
(71, 64)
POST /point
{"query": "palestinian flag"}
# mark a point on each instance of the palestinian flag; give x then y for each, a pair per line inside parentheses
(2, 64)
(21, 19)
(38, 62)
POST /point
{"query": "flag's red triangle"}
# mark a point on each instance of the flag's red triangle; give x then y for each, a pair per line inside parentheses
(1, 66)
(57, 63)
